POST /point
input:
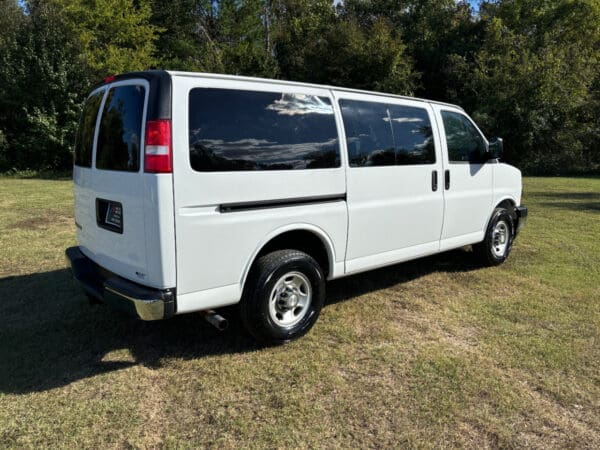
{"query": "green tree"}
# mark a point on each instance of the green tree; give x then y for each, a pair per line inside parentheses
(11, 22)
(242, 38)
(189, 40)
(528, 70)
(438, 35)
(40, 92)
(114, 36)
(534, 82)
(314, 43)
(226, 36)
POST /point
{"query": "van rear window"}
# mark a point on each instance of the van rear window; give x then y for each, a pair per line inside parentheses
(119, 136)
(84, 141)
(234, 130)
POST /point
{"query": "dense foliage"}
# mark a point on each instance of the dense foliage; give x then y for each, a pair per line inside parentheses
(527, 70)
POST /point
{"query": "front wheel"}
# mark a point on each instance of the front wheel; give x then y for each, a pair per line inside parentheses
(283, 297)
(496, 246)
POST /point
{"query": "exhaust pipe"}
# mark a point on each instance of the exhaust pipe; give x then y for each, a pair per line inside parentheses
(216, 320)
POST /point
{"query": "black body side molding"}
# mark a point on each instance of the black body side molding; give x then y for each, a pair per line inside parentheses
(280, 203)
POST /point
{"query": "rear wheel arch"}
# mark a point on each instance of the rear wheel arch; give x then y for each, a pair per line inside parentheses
(308, 239)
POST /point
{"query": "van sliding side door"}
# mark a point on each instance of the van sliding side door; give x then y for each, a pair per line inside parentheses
(395, 195)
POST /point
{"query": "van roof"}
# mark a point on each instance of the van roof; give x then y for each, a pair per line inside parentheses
(161, 108)
(296, 83)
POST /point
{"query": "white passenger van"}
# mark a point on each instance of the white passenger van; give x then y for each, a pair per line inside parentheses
(197, 191)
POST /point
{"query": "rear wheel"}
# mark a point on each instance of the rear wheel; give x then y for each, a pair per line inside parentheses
(496, 246)
(283, 296)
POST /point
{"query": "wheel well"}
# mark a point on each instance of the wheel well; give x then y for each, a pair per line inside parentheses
(302, 240)
(507, 203)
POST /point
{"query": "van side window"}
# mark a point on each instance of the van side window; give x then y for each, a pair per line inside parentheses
(84, 141)
(120, 133)
(465, 143)
(385, 135)
(368, 133)
(235, 130)
(413, 135)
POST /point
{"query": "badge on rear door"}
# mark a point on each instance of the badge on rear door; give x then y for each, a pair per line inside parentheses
(114, 215)
(109, 215)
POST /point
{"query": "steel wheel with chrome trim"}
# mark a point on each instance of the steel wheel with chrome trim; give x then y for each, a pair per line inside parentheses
(283, 296)
(290, 299)
(500, 238)
(496, 246)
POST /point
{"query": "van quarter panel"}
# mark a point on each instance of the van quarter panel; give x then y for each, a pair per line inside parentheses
(215, 246)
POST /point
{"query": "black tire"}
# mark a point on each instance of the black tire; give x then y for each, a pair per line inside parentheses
(267, 272)
(490, 251)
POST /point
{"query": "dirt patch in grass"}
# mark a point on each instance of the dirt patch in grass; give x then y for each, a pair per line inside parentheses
(50, 219)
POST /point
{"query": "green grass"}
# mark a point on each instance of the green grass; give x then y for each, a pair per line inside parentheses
(431, 353)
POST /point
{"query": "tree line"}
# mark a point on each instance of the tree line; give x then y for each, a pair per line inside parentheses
(526, 70)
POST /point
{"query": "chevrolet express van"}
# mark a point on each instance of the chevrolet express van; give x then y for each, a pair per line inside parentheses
(196, 191)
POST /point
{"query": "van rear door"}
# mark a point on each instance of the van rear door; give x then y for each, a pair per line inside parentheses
(118, 206)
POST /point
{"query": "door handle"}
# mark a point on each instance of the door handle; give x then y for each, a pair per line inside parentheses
(447, 179)
(434, 181)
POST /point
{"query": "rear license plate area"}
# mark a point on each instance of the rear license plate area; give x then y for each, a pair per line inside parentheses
(109, 215)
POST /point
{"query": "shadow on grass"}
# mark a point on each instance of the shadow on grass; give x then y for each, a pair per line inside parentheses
(51, 336)
(573, 201)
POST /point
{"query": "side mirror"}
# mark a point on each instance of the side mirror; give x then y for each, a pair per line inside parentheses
(495, 148)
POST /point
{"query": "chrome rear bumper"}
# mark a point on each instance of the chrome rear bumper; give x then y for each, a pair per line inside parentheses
(140, 301)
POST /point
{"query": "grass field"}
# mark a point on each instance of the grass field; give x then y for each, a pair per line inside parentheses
(432, 353)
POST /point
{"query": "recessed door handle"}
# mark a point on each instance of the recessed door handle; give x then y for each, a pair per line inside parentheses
(447, 179)
(434, 180)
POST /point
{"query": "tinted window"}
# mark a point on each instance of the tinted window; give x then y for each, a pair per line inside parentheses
(464, 141)
(413, 136)
(120, 131)
(84, 141)
(384, 135)
(234, 130)
(368, 133)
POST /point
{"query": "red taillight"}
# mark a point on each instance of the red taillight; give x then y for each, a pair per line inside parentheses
(157, 154)
(110, 79)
